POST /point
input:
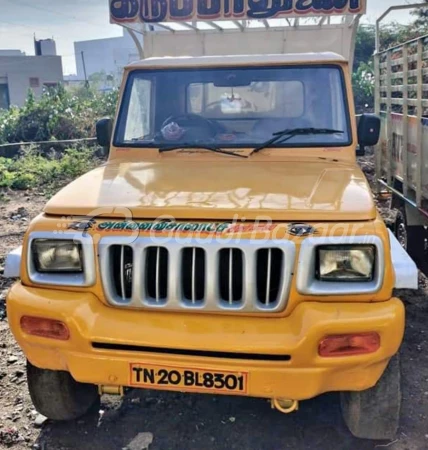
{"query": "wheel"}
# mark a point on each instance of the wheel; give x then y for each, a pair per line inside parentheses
(411, 238)
(58, 396)
(375, 413)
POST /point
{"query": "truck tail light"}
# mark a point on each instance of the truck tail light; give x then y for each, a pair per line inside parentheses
(349, 344)
(47, 328)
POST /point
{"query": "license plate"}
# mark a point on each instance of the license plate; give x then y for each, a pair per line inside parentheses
(188, 379)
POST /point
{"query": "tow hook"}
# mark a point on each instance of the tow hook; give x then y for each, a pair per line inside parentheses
(111, 390)
(284, 405)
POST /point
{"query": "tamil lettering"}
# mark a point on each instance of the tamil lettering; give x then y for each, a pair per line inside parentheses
(209, 8)
(180, 10)
(328, 5)
(124, 9)
(264, 9)
(164, 227)
(153, 10)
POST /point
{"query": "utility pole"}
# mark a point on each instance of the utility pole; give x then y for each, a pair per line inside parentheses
(84, 70)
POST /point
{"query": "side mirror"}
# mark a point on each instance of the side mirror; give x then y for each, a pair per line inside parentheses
(104, 132)
(368, 132)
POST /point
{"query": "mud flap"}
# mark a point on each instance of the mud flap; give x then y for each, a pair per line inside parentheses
(406, 271)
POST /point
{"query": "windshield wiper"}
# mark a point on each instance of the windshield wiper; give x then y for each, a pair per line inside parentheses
(203, 146)
(290, 133)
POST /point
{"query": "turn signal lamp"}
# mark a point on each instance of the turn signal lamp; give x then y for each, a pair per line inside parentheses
(349, 344)
(47, 328)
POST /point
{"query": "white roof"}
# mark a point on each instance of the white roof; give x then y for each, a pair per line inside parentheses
(233, 60)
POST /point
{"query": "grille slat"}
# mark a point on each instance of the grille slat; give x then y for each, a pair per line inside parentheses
(156, 275)
(193, 275)
(231, 276)
(122, 272)
(269, 275)
(245, 277)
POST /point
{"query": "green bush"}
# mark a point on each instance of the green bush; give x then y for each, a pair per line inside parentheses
(58, 115)
(34, 170)
(363, 82)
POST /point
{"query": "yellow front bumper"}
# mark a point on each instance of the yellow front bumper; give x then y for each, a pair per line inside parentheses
(304, 376)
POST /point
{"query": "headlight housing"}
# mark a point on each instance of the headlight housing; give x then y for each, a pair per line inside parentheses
(338, 263)
(57, 256)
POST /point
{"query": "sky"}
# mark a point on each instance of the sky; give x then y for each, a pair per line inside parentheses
(68, 21)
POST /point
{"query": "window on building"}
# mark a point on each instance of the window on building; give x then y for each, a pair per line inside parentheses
(48, 86)
(34, 82)
(4, 96)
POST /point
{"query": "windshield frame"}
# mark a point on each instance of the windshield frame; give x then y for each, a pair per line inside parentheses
(126, 98)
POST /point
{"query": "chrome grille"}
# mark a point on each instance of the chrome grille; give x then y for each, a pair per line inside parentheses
(193, 275)
(156, 275)
(122, 257)
(246, 276)
(231, 275)
(269, 269)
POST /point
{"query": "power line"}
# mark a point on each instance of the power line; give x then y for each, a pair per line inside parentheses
(24, 26)
(55, 12)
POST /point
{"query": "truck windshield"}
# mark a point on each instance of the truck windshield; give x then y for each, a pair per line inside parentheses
(233, 107)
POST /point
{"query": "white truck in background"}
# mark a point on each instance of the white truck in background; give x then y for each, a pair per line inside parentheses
(401, 100)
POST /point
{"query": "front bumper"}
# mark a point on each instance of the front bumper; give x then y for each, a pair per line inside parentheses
(304, 376)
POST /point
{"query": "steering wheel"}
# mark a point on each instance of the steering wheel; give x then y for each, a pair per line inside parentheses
(193, 121)
(214, 105)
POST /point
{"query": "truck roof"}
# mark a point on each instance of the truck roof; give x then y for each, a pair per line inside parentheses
(236, 60)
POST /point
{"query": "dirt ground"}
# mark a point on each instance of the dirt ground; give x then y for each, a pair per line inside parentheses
(174, 421)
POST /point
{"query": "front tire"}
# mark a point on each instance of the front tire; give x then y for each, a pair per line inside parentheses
(375, 413)
(411, 238)
(56, 395)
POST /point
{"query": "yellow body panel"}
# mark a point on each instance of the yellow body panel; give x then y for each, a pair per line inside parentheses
(189, 188)
(304, 376)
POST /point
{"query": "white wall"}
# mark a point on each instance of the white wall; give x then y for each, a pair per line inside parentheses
(11, 53)
(16, 71)
(47, 47)
(105, 55)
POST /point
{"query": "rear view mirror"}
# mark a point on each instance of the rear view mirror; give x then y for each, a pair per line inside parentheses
(232, 79)
(368, 132)
(104, 132)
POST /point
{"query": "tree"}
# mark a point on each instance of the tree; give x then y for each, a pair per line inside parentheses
(421, 15)
(365, 45)
(363, 84)
(390, 36)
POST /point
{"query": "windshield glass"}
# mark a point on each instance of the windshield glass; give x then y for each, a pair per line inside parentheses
(233, 107)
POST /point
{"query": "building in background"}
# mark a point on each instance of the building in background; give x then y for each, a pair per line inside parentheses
(45, 47)
(104, 56)
(11, 53)
(19, 73)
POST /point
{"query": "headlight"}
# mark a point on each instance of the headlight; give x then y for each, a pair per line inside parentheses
(52, 255)
(346, 263)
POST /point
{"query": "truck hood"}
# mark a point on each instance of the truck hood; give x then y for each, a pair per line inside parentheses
(219, 190)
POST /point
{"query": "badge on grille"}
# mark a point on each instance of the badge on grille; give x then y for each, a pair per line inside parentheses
(82, 225)
(301, 229)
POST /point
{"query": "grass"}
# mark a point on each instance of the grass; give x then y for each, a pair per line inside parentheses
(46, 172)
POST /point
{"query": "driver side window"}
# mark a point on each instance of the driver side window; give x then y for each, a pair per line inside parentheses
(139, 118)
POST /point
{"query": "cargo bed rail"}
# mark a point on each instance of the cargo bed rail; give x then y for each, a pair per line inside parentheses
(401, 100)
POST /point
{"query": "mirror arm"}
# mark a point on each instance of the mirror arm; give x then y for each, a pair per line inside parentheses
(361, 151)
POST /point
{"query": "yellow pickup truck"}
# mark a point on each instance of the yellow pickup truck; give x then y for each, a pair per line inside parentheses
(230, 245)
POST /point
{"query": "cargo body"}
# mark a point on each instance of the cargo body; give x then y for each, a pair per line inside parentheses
(402, 155)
